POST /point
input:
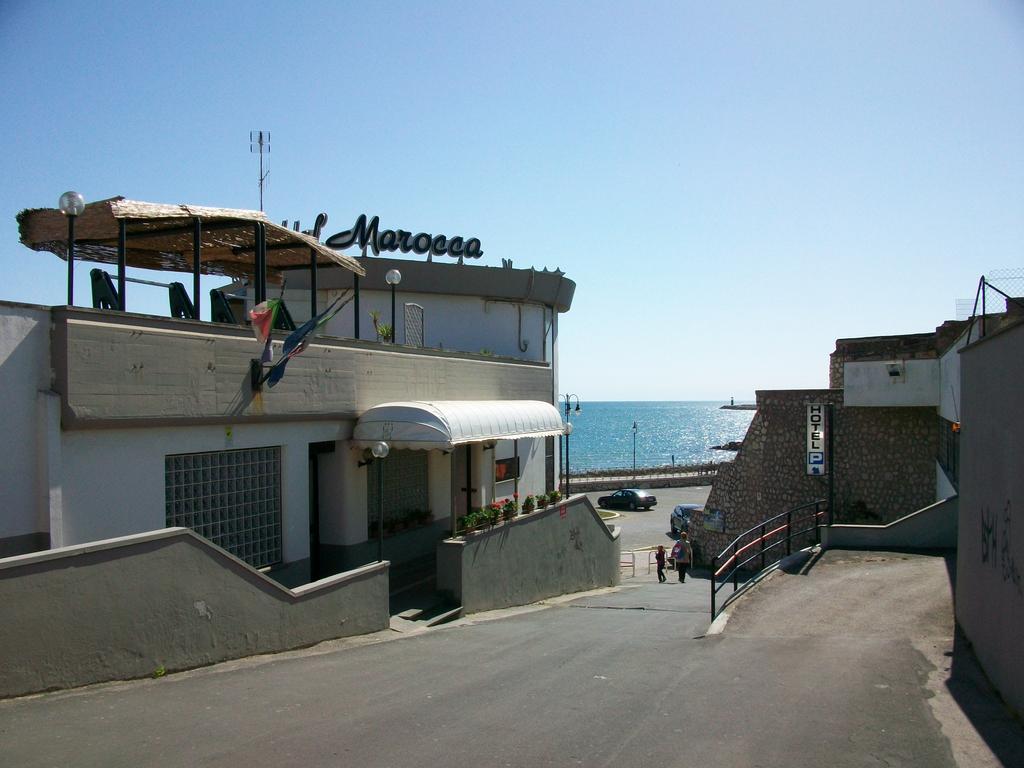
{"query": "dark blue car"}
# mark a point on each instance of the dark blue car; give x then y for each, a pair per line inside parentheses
(628, 498)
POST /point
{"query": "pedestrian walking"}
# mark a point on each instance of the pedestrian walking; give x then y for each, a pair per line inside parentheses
(660, 558)
(682, 553)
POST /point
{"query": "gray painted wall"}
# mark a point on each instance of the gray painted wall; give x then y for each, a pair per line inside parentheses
(24, 374)
(561, 549)
(933, 527)
(113, 369)
(990, 556)
(124, 608)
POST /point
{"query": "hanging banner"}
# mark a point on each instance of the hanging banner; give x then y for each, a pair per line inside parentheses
(816, 439)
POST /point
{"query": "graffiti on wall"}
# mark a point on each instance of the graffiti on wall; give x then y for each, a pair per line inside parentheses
(576, 538)
(997, 545)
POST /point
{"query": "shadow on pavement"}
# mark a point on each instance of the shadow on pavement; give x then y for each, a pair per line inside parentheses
(982, 705)
(800, 563)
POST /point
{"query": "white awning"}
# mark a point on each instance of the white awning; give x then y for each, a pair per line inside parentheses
(444, 424)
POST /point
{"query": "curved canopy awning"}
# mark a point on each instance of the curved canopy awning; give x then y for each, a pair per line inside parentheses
(442, 425)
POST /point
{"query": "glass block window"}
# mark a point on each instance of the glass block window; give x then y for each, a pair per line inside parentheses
(232, 498)
(405, 484)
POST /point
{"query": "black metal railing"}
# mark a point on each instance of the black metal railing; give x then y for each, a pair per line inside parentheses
(768, 536)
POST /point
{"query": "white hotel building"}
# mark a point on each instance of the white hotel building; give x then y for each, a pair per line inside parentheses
(123, 423)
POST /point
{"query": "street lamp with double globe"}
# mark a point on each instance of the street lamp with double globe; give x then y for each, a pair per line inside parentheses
(568, 431)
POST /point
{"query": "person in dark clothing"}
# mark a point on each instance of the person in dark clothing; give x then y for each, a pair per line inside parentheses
(660, 558)
(682, 553)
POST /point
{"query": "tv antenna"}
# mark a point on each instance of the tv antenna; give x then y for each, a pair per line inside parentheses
(259, 142)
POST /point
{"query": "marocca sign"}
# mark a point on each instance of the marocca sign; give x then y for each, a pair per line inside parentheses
(366, 235)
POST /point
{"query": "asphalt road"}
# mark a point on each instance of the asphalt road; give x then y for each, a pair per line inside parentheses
(619, 677)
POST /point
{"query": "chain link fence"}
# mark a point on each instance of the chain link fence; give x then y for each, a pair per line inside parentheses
(989, 300)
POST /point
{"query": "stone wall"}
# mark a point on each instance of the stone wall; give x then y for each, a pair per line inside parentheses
(884, 465)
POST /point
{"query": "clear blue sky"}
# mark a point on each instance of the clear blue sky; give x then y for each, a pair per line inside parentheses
(732, 185)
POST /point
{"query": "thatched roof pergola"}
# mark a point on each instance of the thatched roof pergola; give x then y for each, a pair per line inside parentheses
(160, 236)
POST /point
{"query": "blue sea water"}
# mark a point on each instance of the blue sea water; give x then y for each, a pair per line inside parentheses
(666, 433)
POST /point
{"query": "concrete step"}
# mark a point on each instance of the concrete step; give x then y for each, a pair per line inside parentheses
(431, 615)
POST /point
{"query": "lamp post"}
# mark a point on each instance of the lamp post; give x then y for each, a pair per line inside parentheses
(380, 451)
(393, 278)
(634, 452)
(71, 204)
(568, 431)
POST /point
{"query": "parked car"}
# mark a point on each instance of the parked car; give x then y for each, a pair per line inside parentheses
(628, 498)
(679, 520)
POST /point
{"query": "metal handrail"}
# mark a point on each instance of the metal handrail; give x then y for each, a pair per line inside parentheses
(734, 550)
(630, 563)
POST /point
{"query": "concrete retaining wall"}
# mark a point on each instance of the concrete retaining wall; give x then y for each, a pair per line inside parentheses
(586, 485)
(933, 527)
(125, 608)
(990, 556)
(562, 549)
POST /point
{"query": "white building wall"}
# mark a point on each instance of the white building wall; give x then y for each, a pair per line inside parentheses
(531, 466)
(460, 323)
(24, 380)
(343, 515)
(49, 495)
(439, 485)
(949, 381)
(943, 488)
(112, 481)
(869, 383)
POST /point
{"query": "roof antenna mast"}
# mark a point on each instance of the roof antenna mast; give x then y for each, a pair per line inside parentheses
(259, 142)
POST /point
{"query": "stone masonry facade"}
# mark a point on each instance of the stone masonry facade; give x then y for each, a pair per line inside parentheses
(884, 464)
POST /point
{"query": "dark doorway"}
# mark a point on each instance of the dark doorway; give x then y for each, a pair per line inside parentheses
(462, 476)
(316, 450)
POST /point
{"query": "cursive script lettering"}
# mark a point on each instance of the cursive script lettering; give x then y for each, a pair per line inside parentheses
(368, 234)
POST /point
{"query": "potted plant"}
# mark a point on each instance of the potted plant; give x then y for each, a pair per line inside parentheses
(554, 497)
(383, 330)
(510, 507)
(529, 503)
(494, 513)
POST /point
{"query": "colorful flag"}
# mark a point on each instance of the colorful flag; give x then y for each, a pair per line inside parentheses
(263, 316)
(299, 339)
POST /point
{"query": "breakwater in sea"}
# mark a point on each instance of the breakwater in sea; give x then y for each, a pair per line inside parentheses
(667, 434)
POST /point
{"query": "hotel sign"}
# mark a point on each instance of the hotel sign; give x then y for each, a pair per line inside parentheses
(816, 439)
(369, 235)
